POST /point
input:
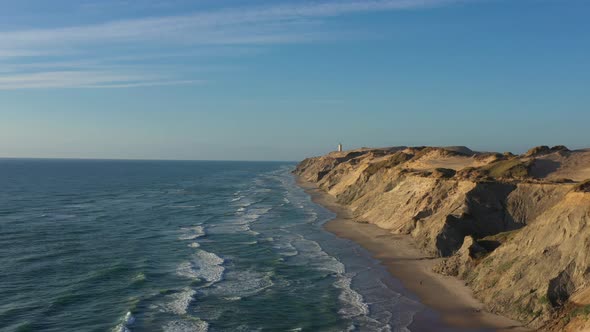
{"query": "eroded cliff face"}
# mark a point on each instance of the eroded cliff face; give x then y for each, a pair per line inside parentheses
(515, 228)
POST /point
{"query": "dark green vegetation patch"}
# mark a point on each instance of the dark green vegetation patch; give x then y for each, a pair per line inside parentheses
(511, 168)
(396, 159)
(583, 187)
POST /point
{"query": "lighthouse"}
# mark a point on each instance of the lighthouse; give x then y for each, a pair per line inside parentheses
(339, 147)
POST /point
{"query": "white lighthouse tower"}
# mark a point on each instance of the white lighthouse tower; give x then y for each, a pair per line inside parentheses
(339, 147)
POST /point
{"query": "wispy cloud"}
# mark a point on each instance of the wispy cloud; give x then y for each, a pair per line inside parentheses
(296, 22)
(222, 26)
(85, 79)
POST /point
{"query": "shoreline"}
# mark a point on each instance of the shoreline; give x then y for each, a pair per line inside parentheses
(447, 296)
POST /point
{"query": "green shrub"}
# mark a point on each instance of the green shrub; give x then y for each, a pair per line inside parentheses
(511, 168)
(581, 311)
(396, 159)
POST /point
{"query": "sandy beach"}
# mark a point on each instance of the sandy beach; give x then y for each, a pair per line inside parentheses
(447, 296)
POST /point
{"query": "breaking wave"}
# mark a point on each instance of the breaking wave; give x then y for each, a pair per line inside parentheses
(191, 233)
(240, 284)
(194, 325)
(126, 322)
(205, 266)
(178, 303)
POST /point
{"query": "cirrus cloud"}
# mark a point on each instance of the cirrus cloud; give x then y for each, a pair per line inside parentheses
(259, 26)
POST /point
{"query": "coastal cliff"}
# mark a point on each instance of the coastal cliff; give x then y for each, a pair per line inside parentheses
(513, 227)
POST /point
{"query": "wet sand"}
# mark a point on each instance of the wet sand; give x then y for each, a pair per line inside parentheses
(447, 296)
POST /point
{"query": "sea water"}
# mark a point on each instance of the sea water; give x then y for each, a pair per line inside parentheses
(98, 245)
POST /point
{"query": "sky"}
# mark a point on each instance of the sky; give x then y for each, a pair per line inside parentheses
(287, 79)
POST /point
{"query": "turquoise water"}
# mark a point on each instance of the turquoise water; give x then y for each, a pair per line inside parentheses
(179, 246)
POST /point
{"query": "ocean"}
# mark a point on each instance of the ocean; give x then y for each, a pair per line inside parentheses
(101, 245)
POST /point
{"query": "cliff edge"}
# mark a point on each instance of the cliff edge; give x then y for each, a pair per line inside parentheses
(514, 227)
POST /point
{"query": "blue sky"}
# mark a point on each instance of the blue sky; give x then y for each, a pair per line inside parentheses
(282, 80)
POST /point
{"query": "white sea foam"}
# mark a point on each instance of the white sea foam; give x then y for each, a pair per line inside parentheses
(242, 222)
(194, 245)
(312, 217)
(353, 304)
(195, 325)
(251, 232)
(286, 249)
(312, 254)
(178, 303)
(205, 266)
(249, 242)
(191, 233)
(256, 213)
(121, 328)
(238, 226)
(185, 269)
(127, 321)
(241, 284)
(232, 298)
(183, 206)
(247, 204)
(227, 228)
(140, 277)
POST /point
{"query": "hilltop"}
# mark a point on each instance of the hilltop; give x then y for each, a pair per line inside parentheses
(513, 227)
